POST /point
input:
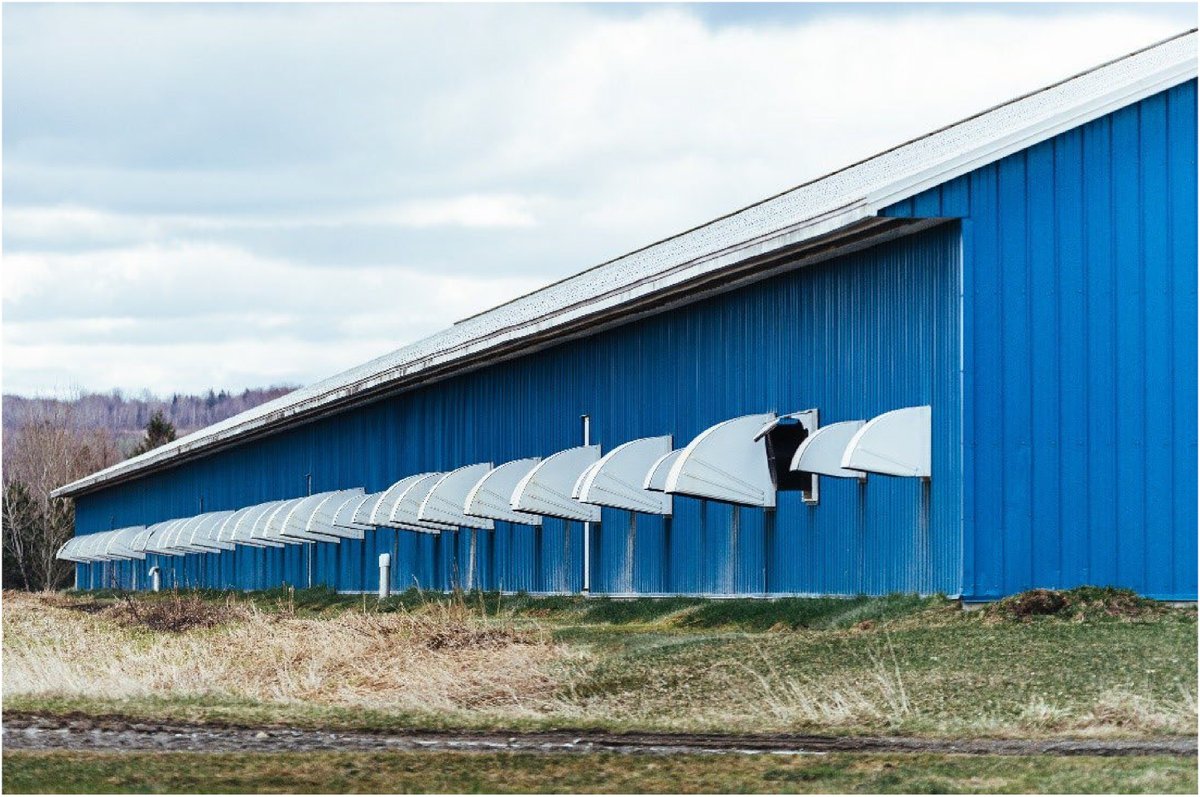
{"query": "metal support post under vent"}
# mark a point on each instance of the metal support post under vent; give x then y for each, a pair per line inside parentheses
(587, 527)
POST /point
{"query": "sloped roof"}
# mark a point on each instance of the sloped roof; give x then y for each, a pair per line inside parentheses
(805, 213)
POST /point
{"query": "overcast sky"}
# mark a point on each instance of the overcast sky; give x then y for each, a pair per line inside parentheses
(239, 195)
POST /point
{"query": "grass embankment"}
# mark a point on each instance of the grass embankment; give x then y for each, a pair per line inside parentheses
(425, 772)
(1084, 663)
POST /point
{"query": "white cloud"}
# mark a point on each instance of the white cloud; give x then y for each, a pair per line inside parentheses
(203, 279)
(42, 227)
(468, 211)
(180, 367)
(195, 316)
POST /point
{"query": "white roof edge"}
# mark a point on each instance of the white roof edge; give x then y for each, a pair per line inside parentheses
(808, 211)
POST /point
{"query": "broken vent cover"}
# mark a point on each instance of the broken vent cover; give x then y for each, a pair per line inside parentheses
(744, 460)
(783, 437)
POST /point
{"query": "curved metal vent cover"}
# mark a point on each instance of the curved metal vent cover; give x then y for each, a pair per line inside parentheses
(341, 504)
(618, 478)
(897, 443)
(821, 452)
(446, 499)
(546, 488)
(404, 512)
(244, 533)
(299, 525)
(726, 462)
(656, 475)
(491, 497)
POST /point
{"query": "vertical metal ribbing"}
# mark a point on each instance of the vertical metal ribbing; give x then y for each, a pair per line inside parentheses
(729, 577)
(494, 580)
(630, 554)
(436, 578)
(768, 550)
(667, 581)
(1078, 293)
(537, 579)
(851, 336)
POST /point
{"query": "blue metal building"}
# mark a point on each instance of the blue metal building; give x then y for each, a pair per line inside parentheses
(1029, 274)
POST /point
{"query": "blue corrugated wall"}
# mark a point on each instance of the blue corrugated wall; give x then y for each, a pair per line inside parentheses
(854, 337)
(1079, 337)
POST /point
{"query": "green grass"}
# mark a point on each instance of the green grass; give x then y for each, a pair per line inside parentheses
(1104, 664)
(426, 772)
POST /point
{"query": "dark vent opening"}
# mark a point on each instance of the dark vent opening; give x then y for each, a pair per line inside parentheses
(782, 442)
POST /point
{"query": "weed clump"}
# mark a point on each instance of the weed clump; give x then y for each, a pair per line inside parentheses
(451, 626)
(175, 614)
(1081, 604)
(1034, 603)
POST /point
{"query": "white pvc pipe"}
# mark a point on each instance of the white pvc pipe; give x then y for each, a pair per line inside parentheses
(155, 579)
(385, 575)
(471, 560)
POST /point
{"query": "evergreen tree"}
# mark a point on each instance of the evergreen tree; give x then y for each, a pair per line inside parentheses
(159, 431)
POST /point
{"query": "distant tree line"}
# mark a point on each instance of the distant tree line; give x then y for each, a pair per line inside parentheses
(126, 417)
(52, 442)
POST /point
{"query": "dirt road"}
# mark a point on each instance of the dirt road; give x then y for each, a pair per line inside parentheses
(33, 732)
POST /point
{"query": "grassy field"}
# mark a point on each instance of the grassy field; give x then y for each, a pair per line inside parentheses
(1086, 663)
(332, 773)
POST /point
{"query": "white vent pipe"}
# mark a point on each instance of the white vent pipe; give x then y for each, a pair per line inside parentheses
(385, 575)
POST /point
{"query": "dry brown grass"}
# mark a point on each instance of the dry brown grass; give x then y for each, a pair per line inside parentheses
(1115, 712)
(445, 663)
(749, 689)
(877, 698)
(439, 658)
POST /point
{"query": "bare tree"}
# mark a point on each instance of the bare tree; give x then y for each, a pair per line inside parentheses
(46, 451)
(49, 442)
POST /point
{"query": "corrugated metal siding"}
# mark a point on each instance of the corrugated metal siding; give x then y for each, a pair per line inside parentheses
(1080, 337)
(855, 337)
